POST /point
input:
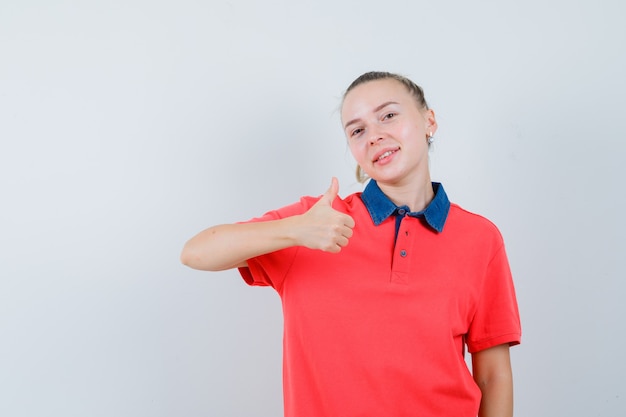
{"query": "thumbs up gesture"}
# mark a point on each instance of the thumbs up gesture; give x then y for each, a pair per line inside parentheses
(323, 227)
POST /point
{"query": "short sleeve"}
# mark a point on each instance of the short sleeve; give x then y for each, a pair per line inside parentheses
(497, 319)
(270, 269)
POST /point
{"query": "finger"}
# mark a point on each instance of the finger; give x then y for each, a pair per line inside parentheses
(348, 221)
(332, 191)
(342, 241)
(334, 248)
(347, 232)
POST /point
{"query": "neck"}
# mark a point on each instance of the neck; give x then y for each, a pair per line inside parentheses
(415, 195)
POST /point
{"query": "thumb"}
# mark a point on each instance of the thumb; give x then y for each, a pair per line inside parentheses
(332, 191)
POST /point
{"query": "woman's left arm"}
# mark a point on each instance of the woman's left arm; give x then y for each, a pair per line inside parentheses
(492, 372)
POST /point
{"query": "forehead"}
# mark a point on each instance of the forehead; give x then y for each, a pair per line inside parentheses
(371, 94)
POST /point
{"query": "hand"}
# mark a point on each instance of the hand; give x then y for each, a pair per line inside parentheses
(323, 227)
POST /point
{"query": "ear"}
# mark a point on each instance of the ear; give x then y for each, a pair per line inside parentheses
(431, 121)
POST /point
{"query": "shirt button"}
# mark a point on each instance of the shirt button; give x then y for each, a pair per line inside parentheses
(403, 253)
(402, 212)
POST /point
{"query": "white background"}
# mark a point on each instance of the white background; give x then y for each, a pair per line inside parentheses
(128, 126)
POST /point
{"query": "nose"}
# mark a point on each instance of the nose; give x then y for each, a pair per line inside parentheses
(375, 136)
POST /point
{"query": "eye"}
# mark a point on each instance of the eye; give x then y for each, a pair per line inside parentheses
(356, 132)
(388, 116)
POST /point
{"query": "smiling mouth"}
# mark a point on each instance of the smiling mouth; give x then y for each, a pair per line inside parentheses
(385, 155)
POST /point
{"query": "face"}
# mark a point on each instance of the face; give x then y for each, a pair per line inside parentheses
(388, 132)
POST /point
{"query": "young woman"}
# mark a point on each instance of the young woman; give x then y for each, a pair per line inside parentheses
(384, 290)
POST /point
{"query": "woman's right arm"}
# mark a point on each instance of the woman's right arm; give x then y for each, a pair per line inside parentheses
(231, 245)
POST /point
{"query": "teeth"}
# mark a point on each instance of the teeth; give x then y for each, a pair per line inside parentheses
(383, 156)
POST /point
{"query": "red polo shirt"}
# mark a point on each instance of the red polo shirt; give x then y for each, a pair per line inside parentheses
(380, 328)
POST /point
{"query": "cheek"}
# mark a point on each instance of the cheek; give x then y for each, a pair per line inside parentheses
(410, 134)
(357, 149)
(409, 130)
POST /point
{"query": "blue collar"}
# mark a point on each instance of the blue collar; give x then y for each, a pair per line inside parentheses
(381, 207)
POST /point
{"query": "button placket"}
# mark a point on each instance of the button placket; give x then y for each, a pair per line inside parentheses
(402, 212)
(402, 250)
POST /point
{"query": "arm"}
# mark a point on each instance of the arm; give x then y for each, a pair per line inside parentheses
(492, 372)
(231, 245)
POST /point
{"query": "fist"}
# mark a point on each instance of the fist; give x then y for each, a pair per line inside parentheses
(325, 228)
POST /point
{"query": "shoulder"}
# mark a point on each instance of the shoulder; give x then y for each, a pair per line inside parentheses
(346, 205)
(472, 224)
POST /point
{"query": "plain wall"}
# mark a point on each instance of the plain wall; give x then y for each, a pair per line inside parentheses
(128, 126)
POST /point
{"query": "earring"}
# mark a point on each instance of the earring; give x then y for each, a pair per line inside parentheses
(431, 139)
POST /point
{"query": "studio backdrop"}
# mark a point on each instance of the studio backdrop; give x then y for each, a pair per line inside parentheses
(128, 126)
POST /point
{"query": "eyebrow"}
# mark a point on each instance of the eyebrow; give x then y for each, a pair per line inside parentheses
(377, 109)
